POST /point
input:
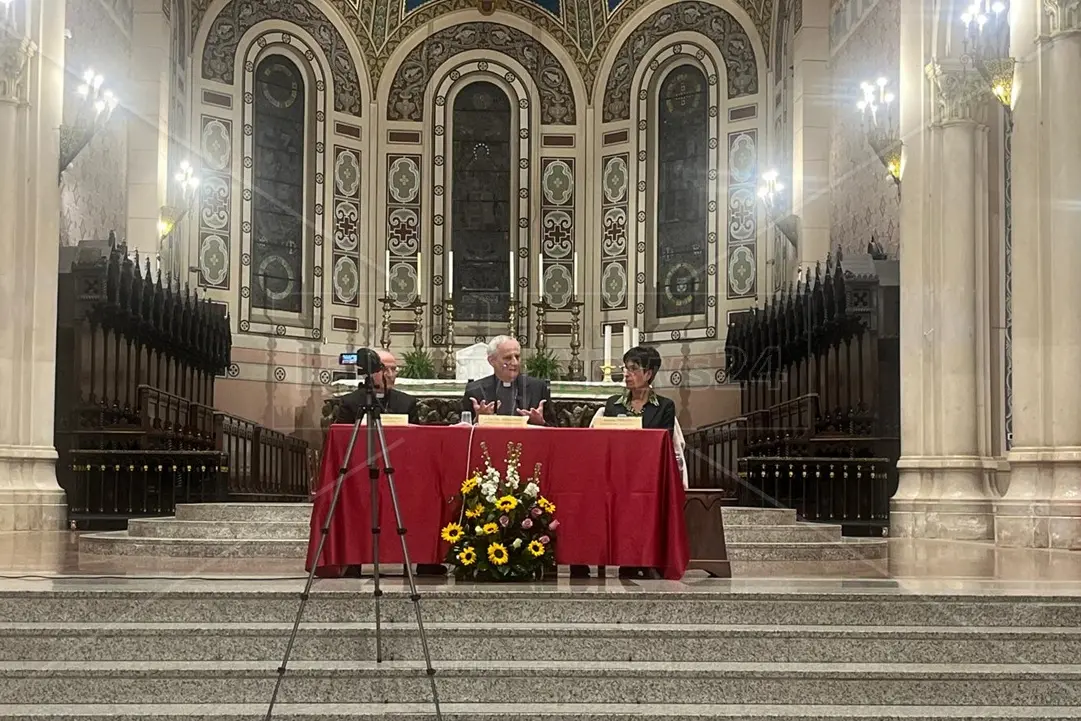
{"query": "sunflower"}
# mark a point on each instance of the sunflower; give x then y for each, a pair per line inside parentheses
(497, 554)
(546, 505)
(507, 503)
(452, 533)
(536, 548)
(490, 529)
(475, 512)
(467, 556)
(469, 484)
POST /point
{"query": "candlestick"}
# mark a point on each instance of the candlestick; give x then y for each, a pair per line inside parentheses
(418, 326)
(384, 335)
(576, 368)
(608, 345)
(542, 338)
(540, 276)
(576, 274)
(448, 341)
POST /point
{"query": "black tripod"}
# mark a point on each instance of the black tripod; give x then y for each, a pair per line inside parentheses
(370, 410)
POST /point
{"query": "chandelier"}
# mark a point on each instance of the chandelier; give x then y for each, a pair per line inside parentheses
(987, 45)
(877, 109)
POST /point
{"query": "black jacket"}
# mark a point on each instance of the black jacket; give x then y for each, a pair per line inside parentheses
(531, 391)
(662, 415)
(395, 401)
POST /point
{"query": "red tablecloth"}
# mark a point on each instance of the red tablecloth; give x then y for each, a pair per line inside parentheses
(618, 494)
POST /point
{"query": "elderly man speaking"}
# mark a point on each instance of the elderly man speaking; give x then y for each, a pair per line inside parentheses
(507, 391)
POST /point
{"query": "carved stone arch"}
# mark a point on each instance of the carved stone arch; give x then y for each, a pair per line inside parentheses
(237, 17)
(416, 70)
(714, 22)
(701, 52)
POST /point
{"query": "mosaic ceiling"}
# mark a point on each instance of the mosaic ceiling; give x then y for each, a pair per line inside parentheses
(585, 28)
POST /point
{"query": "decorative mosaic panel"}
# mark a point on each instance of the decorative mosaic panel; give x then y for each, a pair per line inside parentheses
(308, 324)
(615, 192)
(557, 230)
(215, 201)
(441, 146)
(345, 278)
(403, 228)
(699, 55)
(742, 218)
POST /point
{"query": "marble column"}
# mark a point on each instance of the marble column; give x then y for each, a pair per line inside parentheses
(31, 104)
(943, 489)
(1042, 507)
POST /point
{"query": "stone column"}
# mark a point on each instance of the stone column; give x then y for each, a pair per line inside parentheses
(943, 492)
(33, 87)
(1042, 507)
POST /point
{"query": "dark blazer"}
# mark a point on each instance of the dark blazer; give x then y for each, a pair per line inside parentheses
(531, 391)
(395, 401)
(653, 416)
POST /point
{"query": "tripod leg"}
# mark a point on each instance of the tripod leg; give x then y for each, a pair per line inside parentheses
(414, 596)
(373, 479)
(324, 533)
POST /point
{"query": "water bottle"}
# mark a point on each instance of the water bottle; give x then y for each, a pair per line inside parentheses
(467, 418)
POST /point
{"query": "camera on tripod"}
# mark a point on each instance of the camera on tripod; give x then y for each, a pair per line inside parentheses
(364, 361)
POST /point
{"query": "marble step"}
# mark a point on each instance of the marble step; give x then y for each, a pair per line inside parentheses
(563, 642)
(785, 533)
(218, 530)
(254, 512)
(743, 516)
(846, 549)
(494, 682)
(526, 712)
(120, 543)
(350, 601)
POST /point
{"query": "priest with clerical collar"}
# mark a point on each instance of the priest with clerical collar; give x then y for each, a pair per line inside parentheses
(508, 391)
(390, 399)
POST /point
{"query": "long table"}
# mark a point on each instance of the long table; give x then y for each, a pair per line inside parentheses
(618, 494)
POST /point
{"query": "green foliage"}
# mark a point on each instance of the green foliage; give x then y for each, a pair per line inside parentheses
(543, 364)
(417, 364)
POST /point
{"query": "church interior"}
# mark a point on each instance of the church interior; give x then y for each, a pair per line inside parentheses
(851, 221)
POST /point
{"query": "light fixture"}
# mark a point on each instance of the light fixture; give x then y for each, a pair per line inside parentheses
(877, 108)
(170, 215)
(94, 108)
(772, 194)
(987, 43)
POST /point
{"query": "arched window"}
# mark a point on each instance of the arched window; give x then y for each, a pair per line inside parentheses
(481, 203)
(279, 145)
(682, 192)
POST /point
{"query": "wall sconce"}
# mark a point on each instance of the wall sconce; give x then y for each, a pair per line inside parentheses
(881, 132)
(171, 215)
(770, 192)
(93, 110)
(987, 42)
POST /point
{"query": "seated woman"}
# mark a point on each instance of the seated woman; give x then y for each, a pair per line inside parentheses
(640, 367)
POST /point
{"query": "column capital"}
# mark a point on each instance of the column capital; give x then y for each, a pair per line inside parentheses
(961, 94)
(15, 53)
(1064, 15)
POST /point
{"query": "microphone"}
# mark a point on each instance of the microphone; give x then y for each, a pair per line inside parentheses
(364, 360)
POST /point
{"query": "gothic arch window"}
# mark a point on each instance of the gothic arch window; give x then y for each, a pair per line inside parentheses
(279, 173)
(682, 193)
(481, 202)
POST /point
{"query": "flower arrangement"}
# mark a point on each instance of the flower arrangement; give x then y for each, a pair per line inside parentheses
(507, 529)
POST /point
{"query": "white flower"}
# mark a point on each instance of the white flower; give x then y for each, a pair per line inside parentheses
(478, 530)
(490, 499)
(517, 543)
(531, 490)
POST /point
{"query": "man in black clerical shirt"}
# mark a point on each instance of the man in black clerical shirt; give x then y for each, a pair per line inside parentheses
(507, 391)
(390, 399)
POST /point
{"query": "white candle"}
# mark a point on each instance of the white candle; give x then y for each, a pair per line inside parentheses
(420, 277)
(576, 274)
(387, 276)
(626, 338)
(634, 338)
(450, 274)
(540, 276)
(513, 280)
(608, 345)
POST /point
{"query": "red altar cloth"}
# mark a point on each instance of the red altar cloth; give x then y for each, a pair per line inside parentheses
(618, 494)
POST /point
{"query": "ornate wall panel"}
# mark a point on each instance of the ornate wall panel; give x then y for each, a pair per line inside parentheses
(615, 194)
(239, 16)
(742, 214)
(557, 229)
(491, 70)
(415, 72)
(694, 16)
(309, 322)
(345, 256)
(403, 228)
(215, 201)
(646, 186)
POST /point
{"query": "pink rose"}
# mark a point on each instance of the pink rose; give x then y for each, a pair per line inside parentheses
(504, 521)
(536, 511)
(554, 524)
(545, 540)
(527, 523)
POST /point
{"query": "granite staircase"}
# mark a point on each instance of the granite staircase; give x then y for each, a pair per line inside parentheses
(186, 650)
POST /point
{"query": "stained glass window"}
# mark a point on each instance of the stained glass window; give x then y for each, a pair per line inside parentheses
(682, 189)
(481, 202)
(278, 143)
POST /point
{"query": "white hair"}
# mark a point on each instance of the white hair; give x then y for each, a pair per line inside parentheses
(494, 343)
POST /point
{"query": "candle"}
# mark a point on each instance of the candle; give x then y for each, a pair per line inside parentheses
(387, 276)
(634, 337)
(540, 276)
(513, 280)
(576, 274)
(608, 345)
(626, 338)
(420, 278)
(450, 274)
